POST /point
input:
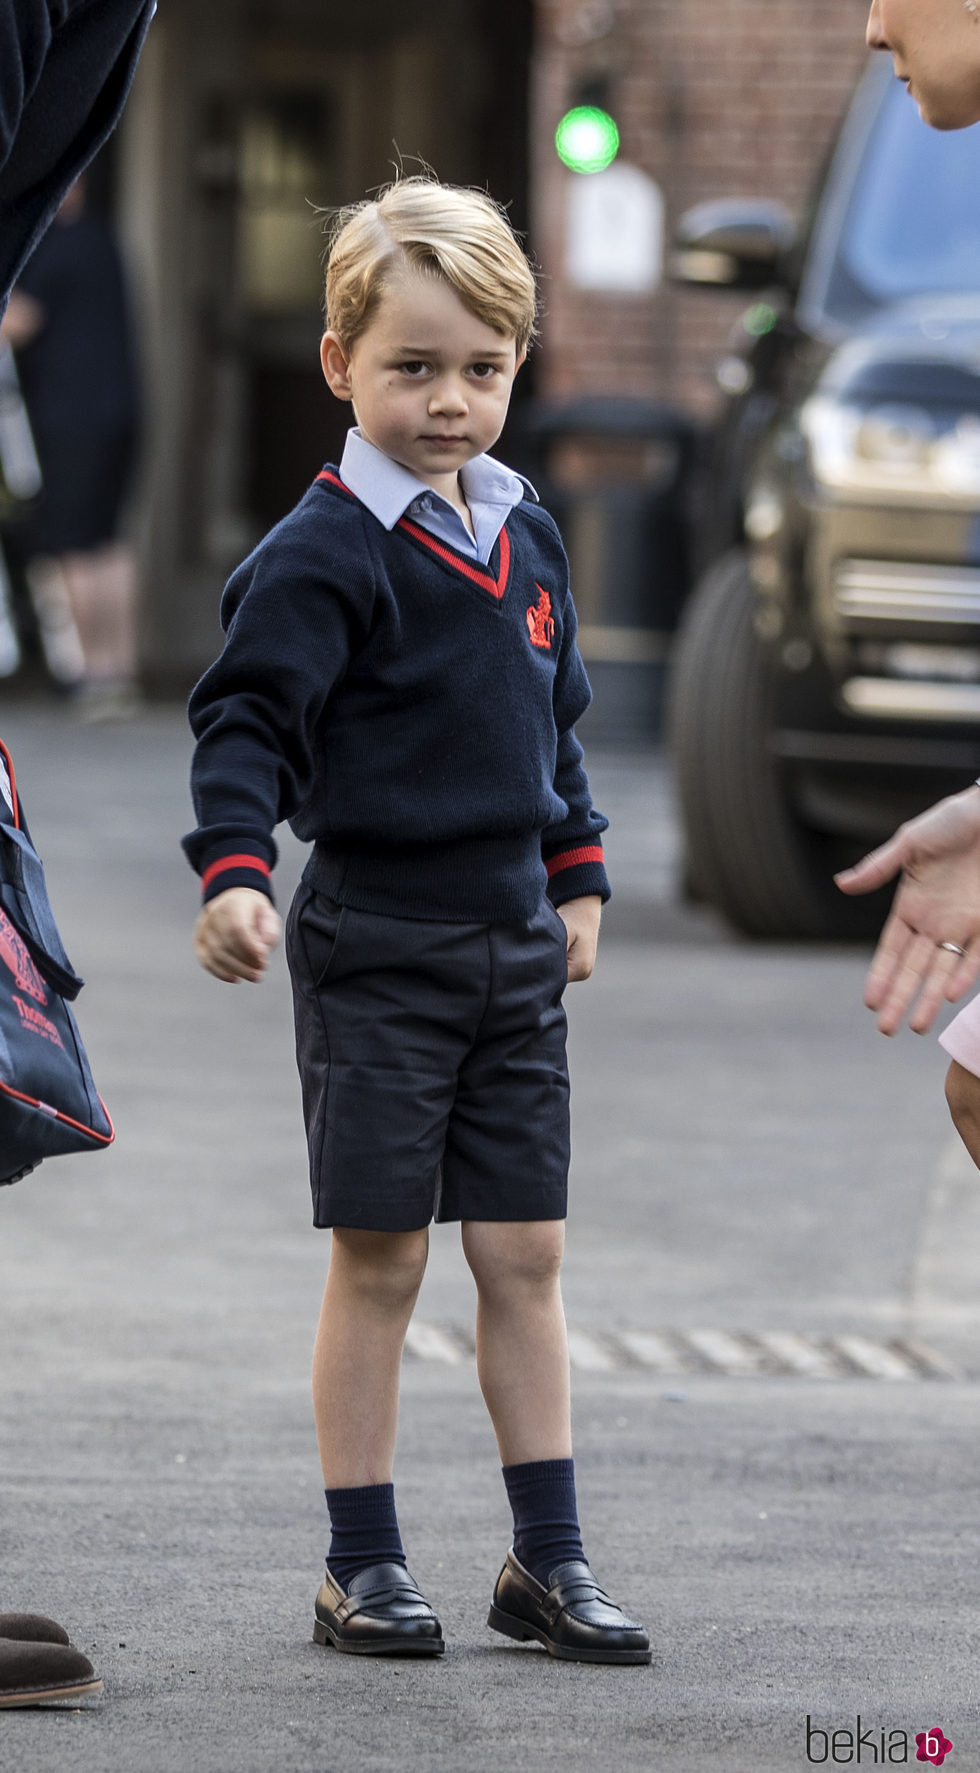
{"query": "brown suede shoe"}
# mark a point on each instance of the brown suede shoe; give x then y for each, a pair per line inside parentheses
(34, 1627)
(38, 1664)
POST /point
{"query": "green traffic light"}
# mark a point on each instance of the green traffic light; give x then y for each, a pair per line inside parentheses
(587, 139)
(760, 319)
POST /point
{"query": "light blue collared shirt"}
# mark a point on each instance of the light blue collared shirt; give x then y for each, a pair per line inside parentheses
(390, 492)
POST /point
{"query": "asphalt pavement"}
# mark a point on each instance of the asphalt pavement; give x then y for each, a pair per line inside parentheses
(773, 1247)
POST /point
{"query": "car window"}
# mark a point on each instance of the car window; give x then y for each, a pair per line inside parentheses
(912, 222)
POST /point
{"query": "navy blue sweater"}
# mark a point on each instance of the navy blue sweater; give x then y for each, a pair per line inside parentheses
(406, 708)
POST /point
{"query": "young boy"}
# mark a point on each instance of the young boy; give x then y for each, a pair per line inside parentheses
(400, 680)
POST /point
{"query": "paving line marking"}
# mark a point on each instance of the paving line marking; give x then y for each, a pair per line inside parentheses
(587, 1355)
(650, 1349)
(766, 1354)
(428, 1343)
(798, 1355)
(935, 1366)
(730, 1354)
(873, 1360)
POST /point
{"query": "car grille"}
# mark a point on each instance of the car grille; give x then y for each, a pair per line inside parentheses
(895, 592)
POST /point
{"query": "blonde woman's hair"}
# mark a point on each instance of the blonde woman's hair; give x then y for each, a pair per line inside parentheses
(458, 234)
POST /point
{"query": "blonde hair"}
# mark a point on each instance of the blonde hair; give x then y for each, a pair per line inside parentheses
(449, 231)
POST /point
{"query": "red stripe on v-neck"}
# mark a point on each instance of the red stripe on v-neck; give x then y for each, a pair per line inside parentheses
(478, 573)
(335, 480)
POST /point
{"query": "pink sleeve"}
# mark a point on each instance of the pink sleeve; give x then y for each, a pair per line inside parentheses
(962, 1038)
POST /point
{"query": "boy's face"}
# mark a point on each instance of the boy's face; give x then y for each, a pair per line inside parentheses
(429, 382)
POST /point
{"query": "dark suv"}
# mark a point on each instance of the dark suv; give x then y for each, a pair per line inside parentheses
(827, 674)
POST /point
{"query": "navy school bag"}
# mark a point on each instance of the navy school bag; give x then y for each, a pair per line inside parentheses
(49, 1104)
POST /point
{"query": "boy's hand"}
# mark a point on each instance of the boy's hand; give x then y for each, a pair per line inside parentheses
(235, 933)
(581, 920)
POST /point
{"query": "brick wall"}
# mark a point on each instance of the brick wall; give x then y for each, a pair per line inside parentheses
(714, 98)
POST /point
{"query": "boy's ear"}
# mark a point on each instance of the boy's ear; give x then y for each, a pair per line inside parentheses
(521, 355)
(336, 366)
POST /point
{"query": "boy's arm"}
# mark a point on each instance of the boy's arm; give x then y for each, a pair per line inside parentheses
(255, 715)
(572, 848)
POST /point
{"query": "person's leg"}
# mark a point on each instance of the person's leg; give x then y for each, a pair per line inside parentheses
(521, 1343)
(522, 1361)
(963, 1097)
(371, 1289)
(367, 1602)
(377, 1090)
(59, 636)
(546, 1589)
(102, 590)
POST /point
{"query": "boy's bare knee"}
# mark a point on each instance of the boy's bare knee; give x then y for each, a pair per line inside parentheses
(385, 1267)
(508, 1255)
(540, 1251)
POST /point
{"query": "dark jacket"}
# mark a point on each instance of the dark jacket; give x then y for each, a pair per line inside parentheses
(66, 67)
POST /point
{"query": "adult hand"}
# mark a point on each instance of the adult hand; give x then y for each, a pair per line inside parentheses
(938, 901)
(235, 934)
(581, 920)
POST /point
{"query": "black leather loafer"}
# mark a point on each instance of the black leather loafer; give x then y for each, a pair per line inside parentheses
(381, 1614)
(574, 1619)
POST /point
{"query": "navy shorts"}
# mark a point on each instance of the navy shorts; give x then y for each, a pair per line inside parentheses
(432, 1060)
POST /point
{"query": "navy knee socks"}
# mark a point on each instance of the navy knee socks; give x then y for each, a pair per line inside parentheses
(546, 1529)
(363, 1530)
(364, 1525)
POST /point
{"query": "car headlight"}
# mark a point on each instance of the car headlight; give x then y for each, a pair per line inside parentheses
(892, 450)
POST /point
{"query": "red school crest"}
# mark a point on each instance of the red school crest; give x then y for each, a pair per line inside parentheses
(540, 621)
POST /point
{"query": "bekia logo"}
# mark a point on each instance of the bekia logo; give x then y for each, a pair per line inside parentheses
(871, 1747)
(933, 1746)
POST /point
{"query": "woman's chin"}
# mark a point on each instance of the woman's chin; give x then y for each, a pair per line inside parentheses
(947, 111)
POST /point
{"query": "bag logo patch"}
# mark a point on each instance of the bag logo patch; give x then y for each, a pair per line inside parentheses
(540, 621)
(38, 1024)
(14, 952)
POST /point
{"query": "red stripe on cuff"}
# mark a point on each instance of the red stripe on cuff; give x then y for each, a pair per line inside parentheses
(225, 862)
(572, 859)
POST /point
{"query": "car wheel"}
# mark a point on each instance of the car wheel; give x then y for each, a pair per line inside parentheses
(748, 851)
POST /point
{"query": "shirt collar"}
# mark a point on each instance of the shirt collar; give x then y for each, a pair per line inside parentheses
(388, 489)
